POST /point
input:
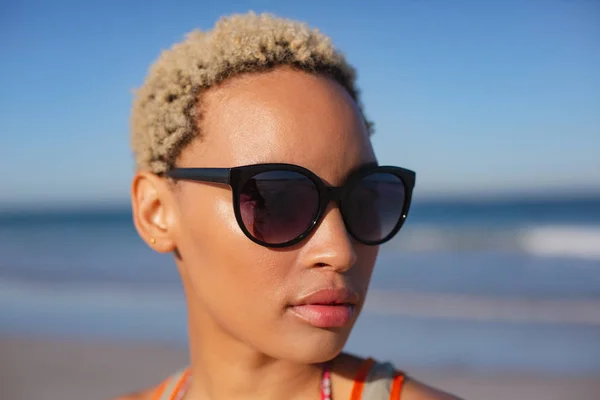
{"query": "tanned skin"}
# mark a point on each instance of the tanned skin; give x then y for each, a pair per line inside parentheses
(243, 341)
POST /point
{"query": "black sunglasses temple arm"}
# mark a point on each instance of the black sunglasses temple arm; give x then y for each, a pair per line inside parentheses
(216, 175)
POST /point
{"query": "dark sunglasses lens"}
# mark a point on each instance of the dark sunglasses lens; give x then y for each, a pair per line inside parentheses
(278, 206)
(374, 206)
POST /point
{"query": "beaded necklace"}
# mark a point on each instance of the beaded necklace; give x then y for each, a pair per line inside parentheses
(325, 386)
(326, 383)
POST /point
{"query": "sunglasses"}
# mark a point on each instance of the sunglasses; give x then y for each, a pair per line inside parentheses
(279, 205)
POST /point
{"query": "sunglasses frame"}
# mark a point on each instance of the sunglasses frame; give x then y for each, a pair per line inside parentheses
(237, 177)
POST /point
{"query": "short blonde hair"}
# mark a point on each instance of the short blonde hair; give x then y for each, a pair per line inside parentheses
(165, 115)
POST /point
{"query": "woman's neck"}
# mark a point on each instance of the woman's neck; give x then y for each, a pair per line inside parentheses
(225, 368)
(275, 381)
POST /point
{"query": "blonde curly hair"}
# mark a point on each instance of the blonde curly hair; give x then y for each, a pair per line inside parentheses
(166, 110)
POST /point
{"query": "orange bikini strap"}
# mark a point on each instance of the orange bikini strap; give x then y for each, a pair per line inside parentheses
(180, 383)
(159, 390)
(396, 388)
(359, 380)
(169, 388)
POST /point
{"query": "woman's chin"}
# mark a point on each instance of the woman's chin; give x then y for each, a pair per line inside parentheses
(319, 346)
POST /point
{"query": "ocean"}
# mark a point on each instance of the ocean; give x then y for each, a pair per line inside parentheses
(507, 284)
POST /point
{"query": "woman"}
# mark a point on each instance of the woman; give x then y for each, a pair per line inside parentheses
(255, 169)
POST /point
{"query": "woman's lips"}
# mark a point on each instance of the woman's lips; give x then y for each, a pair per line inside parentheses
(326, 307)
(325, 316)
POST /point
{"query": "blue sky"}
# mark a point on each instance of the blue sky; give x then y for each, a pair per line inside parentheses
(479, 97)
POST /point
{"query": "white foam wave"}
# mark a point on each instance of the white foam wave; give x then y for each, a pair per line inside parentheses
(575, 241)
(422, 238)
(569, 241)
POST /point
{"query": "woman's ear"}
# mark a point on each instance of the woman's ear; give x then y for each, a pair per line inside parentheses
(153, 211)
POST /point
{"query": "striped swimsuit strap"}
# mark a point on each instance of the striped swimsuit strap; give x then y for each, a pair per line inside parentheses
(373, 381)
(171, 387)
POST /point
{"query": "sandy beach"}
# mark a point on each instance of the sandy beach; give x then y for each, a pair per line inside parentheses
(46, 369)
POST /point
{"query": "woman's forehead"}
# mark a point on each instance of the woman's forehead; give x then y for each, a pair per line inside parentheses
(282, 116)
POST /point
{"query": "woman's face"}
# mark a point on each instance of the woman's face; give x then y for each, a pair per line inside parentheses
(235, 286)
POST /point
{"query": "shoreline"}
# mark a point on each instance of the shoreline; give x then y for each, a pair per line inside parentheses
(59, 369)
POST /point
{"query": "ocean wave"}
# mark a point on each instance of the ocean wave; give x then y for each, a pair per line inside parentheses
(575, 241)
(569, 241)
(428, 238)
